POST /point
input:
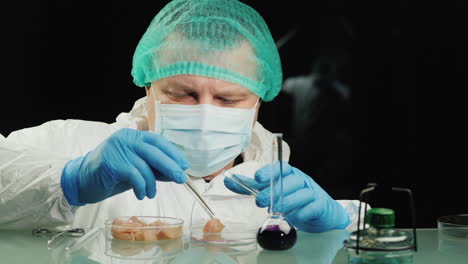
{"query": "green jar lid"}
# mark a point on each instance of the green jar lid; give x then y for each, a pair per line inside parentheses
(380, 217)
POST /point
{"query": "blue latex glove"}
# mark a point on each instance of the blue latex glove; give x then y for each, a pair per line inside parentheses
(305, 204)
(128, 159)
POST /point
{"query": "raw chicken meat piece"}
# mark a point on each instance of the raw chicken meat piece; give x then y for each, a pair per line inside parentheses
(134, 229)
(214, 225)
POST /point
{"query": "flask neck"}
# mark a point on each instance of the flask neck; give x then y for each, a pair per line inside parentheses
(275, 215)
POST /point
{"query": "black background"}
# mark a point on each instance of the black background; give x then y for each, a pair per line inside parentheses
(405, 125)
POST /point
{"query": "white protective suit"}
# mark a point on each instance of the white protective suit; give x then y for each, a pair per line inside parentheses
(32, 159)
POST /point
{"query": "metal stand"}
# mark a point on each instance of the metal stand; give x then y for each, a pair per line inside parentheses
(371, 187)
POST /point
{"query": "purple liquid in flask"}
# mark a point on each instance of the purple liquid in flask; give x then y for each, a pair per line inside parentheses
(274, 238)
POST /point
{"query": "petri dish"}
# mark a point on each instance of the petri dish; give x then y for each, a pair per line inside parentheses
(156, 250)
(453, 226)
(241, 223)
(234, 233)
(144, 229)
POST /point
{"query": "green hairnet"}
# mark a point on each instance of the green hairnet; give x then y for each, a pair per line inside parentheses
(223, 39)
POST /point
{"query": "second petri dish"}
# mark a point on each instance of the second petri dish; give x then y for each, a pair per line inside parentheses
(453, 226)
(234, 233)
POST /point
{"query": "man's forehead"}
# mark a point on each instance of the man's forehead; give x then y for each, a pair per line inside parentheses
(198, 83)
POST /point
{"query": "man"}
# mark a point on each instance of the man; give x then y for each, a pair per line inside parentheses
(206, 66)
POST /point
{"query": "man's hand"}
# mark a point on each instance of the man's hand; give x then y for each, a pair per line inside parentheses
(305, 204)
(128, 159)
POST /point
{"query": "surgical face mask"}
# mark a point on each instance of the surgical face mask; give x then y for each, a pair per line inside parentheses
(209, 136)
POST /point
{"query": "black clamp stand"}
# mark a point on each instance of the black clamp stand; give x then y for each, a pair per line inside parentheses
(371, 187)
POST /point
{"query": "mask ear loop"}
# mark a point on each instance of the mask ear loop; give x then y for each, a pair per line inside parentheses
(254, 109)
(256, 103)
(153, 97)
(156, 105)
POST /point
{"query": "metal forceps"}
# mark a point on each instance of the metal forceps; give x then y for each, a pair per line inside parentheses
(57, 235)
(189, 185)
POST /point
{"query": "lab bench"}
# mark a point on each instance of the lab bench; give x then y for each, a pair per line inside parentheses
(321, 248)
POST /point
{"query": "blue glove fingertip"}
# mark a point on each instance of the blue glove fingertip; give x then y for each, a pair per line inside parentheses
(180, 177)
(342, 214)
(233, 186)
(139, 192)
(140, 195)
(184, 165)
(262, 200)
(262, 175)
(345, 223)
(152, 194)
(230, 184)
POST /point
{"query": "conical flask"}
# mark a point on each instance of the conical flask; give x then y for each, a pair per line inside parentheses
(276, 233)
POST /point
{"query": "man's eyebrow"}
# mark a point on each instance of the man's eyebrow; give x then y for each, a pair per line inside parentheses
(177, 86)
(233, 92)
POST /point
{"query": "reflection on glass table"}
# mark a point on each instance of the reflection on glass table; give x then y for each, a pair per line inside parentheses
(166, 249)
(322, 248)
(311, 248)
(103, 249)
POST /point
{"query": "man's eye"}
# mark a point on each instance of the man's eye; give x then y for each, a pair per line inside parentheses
(181, 96)
(227, 101)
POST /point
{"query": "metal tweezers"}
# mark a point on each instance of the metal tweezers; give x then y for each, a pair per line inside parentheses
(198, 197)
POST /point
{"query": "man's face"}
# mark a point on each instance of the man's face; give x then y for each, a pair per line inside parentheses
(192, 90)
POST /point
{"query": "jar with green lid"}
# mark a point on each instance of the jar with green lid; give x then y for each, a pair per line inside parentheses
(380, 242)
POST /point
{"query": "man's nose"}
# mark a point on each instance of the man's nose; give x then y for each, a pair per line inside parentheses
(206, 99)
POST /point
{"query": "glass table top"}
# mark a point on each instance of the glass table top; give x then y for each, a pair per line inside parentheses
(94, 247)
